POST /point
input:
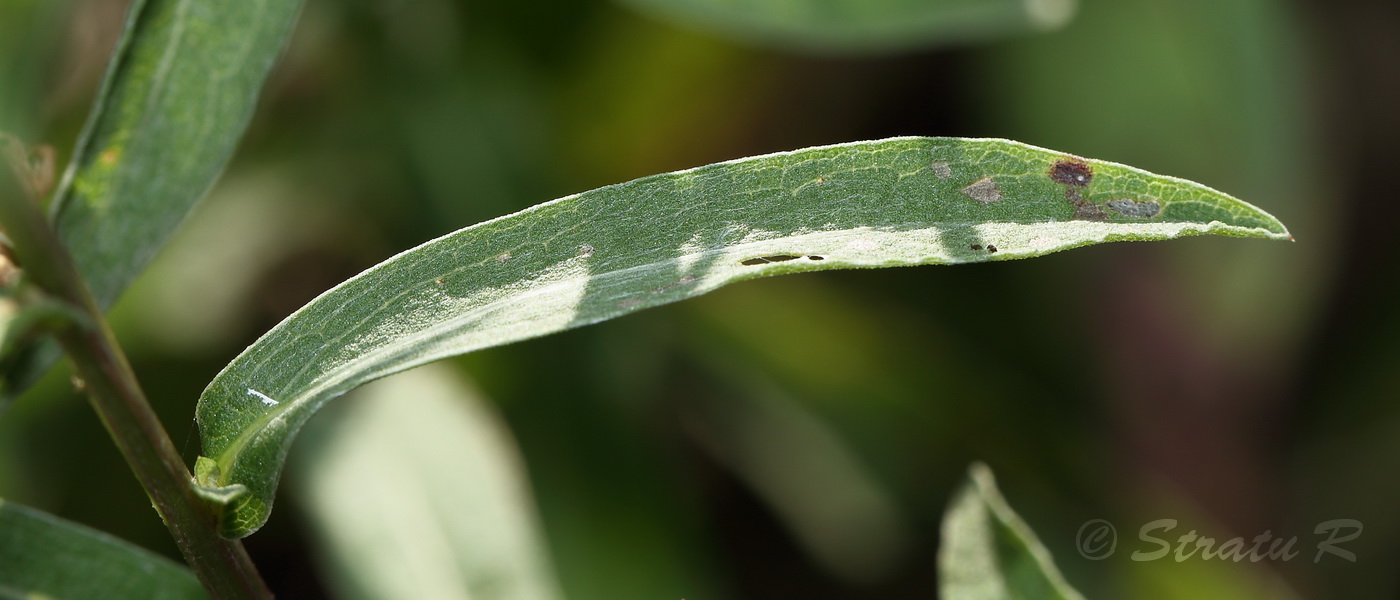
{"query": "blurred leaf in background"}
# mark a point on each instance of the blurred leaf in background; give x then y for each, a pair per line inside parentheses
(863, 26)
(988, 552)
(415, 490)
(42, 556)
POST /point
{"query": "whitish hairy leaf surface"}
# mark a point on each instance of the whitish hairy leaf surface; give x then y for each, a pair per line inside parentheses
(861, 26)
(989, 553)
(448, 514)
(180, 89)
(656, 240)
(43, 556)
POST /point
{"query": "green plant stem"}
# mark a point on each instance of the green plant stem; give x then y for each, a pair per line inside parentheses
(221, 564)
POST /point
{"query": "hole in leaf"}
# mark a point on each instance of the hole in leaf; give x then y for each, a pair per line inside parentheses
(763, 260)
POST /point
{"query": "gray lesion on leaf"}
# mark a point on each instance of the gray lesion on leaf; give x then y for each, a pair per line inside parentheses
(941, 169)
(983, 190)
(503, 257)
(1128, 207)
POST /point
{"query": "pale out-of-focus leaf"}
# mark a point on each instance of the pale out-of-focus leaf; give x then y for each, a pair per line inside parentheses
(861, 26)
(415, 490)
(989, 553)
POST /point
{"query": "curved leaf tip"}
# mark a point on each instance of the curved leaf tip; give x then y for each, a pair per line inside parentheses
(656, 240)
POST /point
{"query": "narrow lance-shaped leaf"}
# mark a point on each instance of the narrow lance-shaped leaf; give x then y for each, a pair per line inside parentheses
(179, 92)
(43, 556)
(618, 249)
(862, 26)
(989, 553)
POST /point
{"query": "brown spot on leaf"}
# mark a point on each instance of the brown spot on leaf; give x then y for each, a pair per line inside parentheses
(1084, 209)
(976, 246)
(991, 248)
(815, 257)
(1072, 172)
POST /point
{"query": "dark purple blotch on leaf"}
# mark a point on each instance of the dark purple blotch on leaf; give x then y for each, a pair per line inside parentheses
(1072, 172)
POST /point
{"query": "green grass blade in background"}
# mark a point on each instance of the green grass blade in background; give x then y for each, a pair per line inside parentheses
(811, 478)
(42, 556)
(618, 249)
(989, 553)
(179, 92)
(446, 514)
(861, 26)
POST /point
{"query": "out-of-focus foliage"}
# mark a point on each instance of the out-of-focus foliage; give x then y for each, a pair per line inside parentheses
(421, 503)
(42, 556)
(863, 26)
(989, 553)
(1236, 387)
(181, 87)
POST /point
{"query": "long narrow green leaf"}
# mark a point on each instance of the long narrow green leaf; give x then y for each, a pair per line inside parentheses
(989, 553)
(42, 556)
(448, 514)
(861, 26)
(656, 240)
(179, 92)
(178, 95)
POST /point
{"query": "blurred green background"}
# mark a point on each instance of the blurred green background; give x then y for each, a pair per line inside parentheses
(798, 437)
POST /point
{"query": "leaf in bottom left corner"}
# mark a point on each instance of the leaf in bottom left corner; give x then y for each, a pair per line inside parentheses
(43, 556)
